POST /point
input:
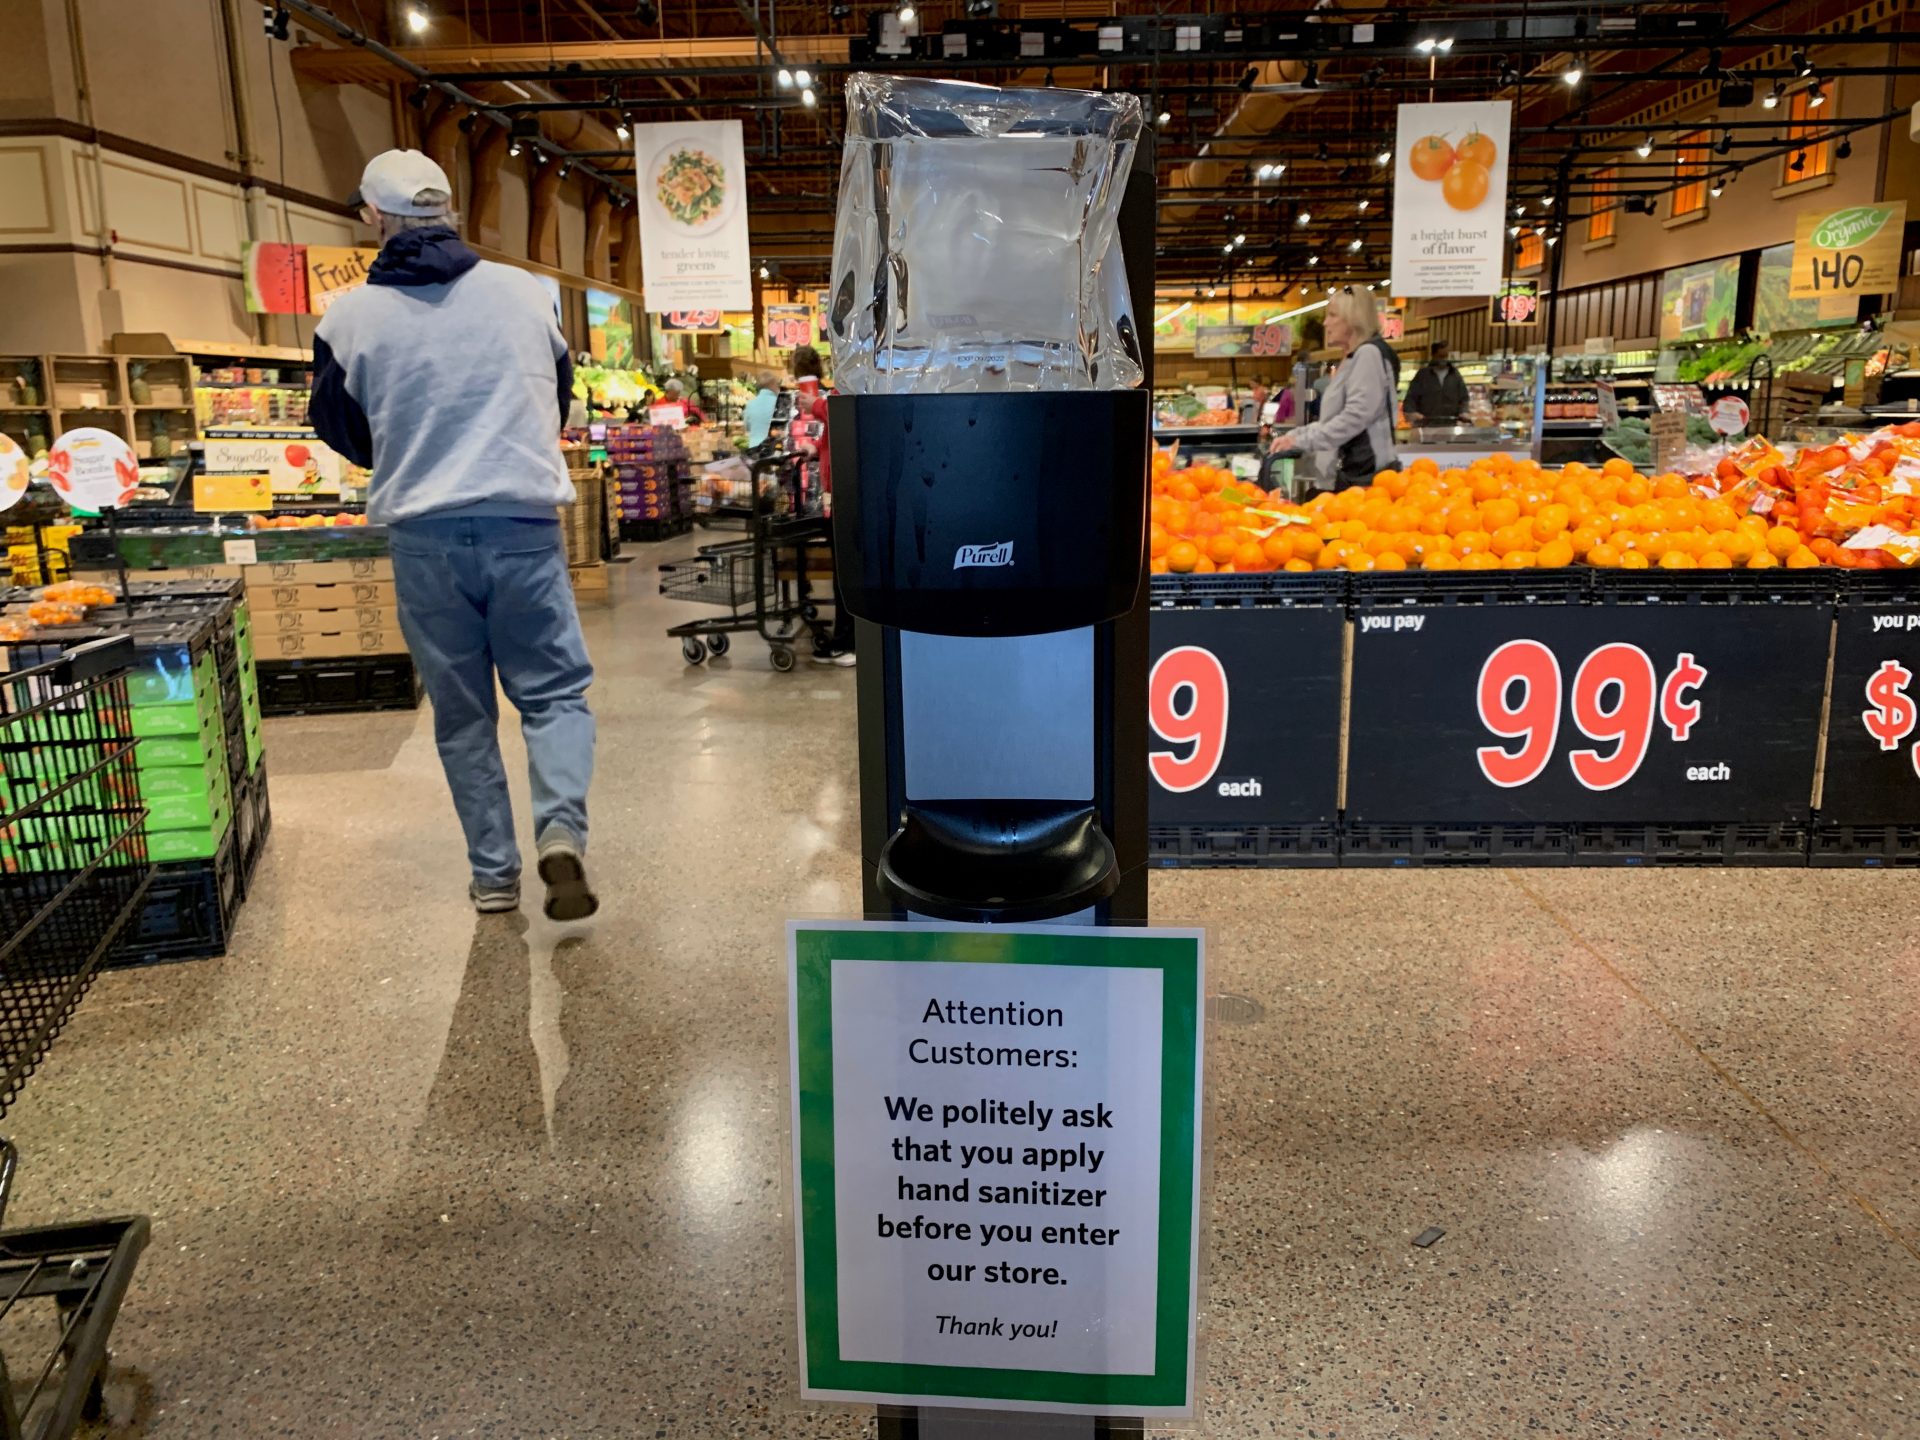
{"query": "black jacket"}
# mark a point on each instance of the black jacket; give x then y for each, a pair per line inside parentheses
(1434, 398)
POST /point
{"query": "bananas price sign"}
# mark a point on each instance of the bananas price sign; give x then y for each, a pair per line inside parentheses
(1872, 773)
(1566, 713)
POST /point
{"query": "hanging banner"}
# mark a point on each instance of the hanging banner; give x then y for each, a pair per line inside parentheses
(1450, 198)
(333, 271)
(1515, 302)
(1222, 342)
(1855, 251)
(789, 326)
(996, 1147)
(693, 216)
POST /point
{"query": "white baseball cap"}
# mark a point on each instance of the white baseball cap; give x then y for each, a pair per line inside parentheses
(403, 182)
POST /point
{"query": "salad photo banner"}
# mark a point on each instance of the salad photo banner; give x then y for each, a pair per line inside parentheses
(1450, 198)
(692, 180)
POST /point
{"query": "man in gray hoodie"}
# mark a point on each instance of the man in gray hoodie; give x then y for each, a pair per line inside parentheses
(447, 376)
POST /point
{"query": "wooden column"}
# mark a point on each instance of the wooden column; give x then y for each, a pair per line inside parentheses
(543, 216)
(626, 272)
(599, 236)
(487, 153)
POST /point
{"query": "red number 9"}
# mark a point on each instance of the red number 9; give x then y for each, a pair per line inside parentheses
(1535, 721)
(1200, 720)
(1629, 720)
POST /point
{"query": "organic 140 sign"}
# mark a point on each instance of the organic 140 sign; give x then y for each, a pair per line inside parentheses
(1850, 251)
(1565, 713)
(996, 1165)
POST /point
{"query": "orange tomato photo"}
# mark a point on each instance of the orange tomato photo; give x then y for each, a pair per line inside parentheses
(1431, 157)
(1465, 186)
(1477, 148)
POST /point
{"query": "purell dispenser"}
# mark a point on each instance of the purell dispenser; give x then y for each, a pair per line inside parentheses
(990, 458)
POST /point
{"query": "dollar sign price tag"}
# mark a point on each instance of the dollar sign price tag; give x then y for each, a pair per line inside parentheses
(1872, 774)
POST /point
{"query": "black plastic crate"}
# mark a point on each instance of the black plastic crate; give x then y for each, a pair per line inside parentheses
(1272, 589)
(1870, 587)
(188, 913)
(1704, 843)
(1379, 589)
(1715, 587)
(1264, 847)
(321, 687)
(648, 531)
(1868, 847)
(253, 823)
(1455, 844)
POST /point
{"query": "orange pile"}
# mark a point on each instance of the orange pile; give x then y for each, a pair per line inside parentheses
(1498, 513)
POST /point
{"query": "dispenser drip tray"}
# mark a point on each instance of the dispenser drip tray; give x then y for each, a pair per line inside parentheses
(1000, 861)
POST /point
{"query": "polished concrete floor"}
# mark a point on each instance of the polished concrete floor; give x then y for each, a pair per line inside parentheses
(417, 1174)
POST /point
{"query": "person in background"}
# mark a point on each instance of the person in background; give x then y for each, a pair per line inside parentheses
(446, 375)
(676, 394)
(1256, 402)
(809, 377)
(1437, 396)
(1353, 438)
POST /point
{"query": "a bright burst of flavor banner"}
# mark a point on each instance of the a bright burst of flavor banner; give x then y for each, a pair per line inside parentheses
(1450, 198)
(692, 180)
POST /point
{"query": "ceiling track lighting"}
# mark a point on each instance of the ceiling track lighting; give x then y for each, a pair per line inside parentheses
(1774, 96)
(783, 77)
(1844, 151)
(1313, 259)
(1384, 156)
(907, 14)
(417, 21)
(1162, 119)
(1817, 96)
(1802, 64)
(1311, 80)
(274, 20)
(1644, 148)
(808, 98)
(1725, 144)
(1573, 76)
(1304, 218)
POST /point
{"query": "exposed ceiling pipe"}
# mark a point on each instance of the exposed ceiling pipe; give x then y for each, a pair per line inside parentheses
(1257, 116)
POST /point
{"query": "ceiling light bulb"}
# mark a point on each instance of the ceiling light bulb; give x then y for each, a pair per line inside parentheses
(1210, 292)
(1546, 202)
(1313, 259)
(1240, 239)
(1384, 156)
(1644, 148)
(1427, 46)
(417, 20)
(907, 12)
(1573, 76)
(1715, 189)
(1513, 230)
(1363, 206)
(764, 272)
(1552, 240)
(1772, 98)
(783, 78)
(1356, 245)
(1446, 45)
(1305, 217)
(808, 98)
(623, 132)
(1265, 171)
(803, 78)
(1163, 118)
(1816, 97)
(1227, 248)
(1802, 63)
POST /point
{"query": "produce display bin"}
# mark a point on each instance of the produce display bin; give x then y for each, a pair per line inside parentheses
(320, 687)
(1577, 717)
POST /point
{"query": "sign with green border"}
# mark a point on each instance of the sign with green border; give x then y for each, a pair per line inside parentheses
(996, 1165)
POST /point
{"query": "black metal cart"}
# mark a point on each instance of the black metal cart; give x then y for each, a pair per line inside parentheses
(761, 581)
(73, 875)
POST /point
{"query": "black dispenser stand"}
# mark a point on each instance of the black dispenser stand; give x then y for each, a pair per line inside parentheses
(910, 839)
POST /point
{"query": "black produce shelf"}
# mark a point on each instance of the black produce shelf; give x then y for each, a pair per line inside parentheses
(1375, 589)
(1273, 588)
(1715, 587)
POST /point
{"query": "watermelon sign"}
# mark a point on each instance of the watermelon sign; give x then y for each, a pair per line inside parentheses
(276, 278)
(93, 469)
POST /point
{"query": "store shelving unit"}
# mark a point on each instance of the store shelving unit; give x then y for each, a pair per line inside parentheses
(100, 391)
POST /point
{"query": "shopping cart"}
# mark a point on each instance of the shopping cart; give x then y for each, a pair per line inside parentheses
(73, 875)
(760, 582)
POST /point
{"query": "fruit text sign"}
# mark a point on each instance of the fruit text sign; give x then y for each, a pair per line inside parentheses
(1450, 198)
(789, 326)
(1243, 707)
(1872, 774)
(1855, 251)
(996, 1153)
(1555, 713)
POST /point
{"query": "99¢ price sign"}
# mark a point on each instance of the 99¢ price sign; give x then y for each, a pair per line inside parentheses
(1244, 717)
(1570, 713)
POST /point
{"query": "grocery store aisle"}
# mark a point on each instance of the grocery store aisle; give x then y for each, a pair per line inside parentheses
(415, 1174)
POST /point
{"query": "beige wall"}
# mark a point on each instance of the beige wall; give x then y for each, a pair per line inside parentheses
(36, 80)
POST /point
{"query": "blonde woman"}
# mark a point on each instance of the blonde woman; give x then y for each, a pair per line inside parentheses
(1353, 438)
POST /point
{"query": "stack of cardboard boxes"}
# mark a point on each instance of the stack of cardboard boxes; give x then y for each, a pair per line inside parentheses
(324, 609)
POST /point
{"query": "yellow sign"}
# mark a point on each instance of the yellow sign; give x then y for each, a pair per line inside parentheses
(1855, 251)
(216, 493)
(333, 270)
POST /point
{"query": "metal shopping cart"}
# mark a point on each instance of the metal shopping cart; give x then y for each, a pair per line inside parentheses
(761, 582)
(73, 875)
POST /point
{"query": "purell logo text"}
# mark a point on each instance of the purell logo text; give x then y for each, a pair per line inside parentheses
(1001, 554)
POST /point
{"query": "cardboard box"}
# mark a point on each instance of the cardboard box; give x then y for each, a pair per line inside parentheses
(590, 582)
(331, 622)
(319, 572)
(298, 645)
(343, 595)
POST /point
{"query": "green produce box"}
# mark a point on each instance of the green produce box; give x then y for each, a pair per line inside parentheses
(255, 749)
(199, 778)
(166, 846)
(211, 807)
(199, 749)
(187, 717)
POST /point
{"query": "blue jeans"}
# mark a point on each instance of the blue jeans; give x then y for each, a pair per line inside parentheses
(485, 596)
